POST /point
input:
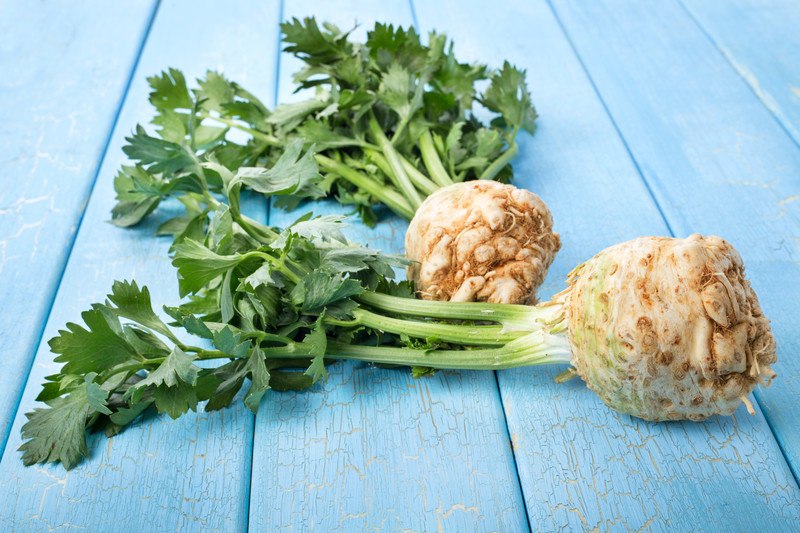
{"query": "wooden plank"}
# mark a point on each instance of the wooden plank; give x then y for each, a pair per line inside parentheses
(160, 475)
(65, 70)
(760, 40)
(374, 449)
(581, 465)
(714, 156)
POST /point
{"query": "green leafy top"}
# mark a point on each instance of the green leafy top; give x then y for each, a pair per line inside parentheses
(274, 316)
(391, 120)
(284, 295)
(252, 289)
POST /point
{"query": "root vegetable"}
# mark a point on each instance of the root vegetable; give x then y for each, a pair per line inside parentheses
(667, 329)
(481, 240)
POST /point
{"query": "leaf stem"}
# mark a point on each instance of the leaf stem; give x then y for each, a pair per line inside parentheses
(132, 367)
(260, 135)
(254, 228)
(419, 179)
(376, 157)
(264, 336)
(535, 348)
(432, 162)
(258, 231)
(278, 264)
(207, 355)
(512, 317)
(393, 200)
(467, 334)
(394, 162)
(498, 164)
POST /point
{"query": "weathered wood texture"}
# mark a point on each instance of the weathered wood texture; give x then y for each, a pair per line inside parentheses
(581, 465)
(64, 69)
(375, 449)
(759, 38)
(160, 475)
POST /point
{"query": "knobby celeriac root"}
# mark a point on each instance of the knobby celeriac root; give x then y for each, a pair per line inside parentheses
(481, 240)
(667, 329)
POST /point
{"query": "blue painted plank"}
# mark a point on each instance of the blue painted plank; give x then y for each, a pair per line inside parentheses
(759, 38)
(715, 157)
(374, 449)
(160, 475)
(582, 466)
(64, 70)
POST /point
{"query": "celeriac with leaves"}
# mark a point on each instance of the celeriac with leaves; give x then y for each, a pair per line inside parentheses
(392, 122)
(659, 328)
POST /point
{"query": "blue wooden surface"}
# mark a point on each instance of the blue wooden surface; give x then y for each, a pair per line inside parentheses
(63, 72)
(760, 40)
(651, 123)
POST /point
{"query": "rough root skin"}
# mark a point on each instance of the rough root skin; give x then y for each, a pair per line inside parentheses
(668, 329)
(481, 240)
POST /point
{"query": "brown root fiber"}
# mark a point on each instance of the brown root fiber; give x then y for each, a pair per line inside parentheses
(481, 241)
(668, 329)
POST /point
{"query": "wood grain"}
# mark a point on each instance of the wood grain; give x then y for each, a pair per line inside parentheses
(581, 465)
(159, 475)
(65, 69)
(375, 449)
(759, 38)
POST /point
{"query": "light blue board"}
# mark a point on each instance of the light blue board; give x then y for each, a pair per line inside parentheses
(374, 449)
(64, 68)
(716, 159)
(581, 465)
(161, 475)
(760, 39)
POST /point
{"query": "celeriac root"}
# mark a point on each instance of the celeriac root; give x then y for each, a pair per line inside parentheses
(666, 329)
(481, 241)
